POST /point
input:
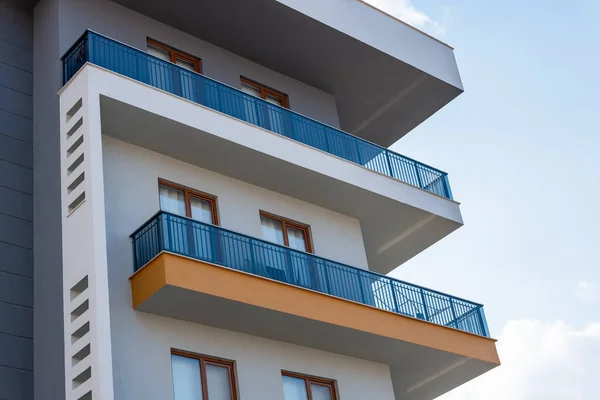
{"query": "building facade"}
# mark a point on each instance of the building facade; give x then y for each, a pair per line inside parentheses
(200, 203)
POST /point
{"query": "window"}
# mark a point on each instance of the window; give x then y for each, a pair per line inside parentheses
(180, 58)
(265, 93)
(302, 387)
(285, 232)
(182, 201)
(202, 378)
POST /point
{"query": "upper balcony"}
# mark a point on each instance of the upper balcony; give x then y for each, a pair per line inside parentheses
(403, 206)
(141, 66)
(387, 77)
(202, 273)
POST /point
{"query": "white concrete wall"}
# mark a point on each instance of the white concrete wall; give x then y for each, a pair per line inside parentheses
(142, 362)
(127, 26)
(142, 342)
(132, 183)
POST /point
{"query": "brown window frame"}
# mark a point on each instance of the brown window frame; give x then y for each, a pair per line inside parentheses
(221, 362)
(265, 90)
(188, 193)
(285, 222)
(175, 54)
(308, 379)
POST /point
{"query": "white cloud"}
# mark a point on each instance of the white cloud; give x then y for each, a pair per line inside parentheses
(586, 291)
(406, 11)
(540, 361)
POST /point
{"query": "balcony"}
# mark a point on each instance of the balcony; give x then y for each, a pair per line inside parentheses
(209, 243)
(208, 275)
(386, 81)
(139, 65)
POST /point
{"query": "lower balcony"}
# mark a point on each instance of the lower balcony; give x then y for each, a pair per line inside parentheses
(205, 274)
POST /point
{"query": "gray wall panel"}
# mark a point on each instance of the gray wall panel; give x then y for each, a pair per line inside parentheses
(16, 177)
(16, 231)
(16, 352)
(16, 102)
(16, 56)
(16, 34)
(17, 12)
(16, 260)
(16, 200)
(16, 204)
(16, 78)
(16, 126)
(16, 320)
(16, 151)
(16, 289)
(15, 384)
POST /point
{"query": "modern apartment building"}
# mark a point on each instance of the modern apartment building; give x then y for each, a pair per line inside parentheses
(197, 201)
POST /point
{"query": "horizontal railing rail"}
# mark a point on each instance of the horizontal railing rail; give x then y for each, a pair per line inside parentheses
(143, 67)
(210, 243)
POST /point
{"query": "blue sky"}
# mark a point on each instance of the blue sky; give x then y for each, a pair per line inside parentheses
(522, 149)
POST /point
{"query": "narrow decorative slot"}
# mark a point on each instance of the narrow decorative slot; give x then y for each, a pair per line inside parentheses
(75, 146)
(75, 164)
(75, 184)
(79, 333)
(75, 127)
(74, 109)
(83, 307)
(75, 203)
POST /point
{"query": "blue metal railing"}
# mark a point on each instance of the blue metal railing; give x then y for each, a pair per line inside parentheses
(141, 66)
(184, 236)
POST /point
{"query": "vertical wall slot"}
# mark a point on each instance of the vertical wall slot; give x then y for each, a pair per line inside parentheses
(73, 110)
(79, 287)
(75, 127)
(75, 184)
(87, 396)
(75, 146)
(81, 355)
(75, 203)
(83, 307)
(82, 377)
(79, 333)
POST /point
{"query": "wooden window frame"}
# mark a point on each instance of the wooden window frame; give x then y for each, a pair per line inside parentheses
(265, 90)
(188, 194)
(221, 362)
(285, 222)
(308, 379)
(174, 54)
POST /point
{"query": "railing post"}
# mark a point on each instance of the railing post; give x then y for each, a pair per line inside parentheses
(290, 267)
(168, 244)
(86, 47)
(425, 311)
(453, 312)
(327, 279)
(389, 163)
(161, 239)
(212, 237)
(447, 187)
(135, 254)
(418, 175)
(394, 296)
(253, 266)
(482, 320)
(359, 161)
(360, 288)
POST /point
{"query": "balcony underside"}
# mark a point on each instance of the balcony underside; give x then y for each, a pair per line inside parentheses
(425, 360)
(385, 81)
(397, 220)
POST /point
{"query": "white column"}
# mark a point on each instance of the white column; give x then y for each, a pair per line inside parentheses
(88, 357)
